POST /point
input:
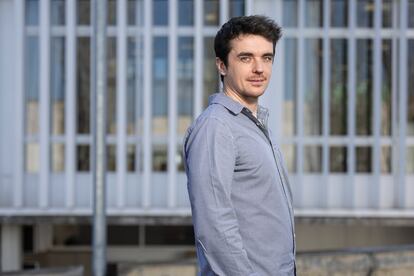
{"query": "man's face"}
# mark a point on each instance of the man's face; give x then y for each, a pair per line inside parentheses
(249, 66)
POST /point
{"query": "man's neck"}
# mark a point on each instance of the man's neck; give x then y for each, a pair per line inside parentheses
(250, 103)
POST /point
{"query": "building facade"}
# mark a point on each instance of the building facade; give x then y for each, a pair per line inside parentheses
(341, 102)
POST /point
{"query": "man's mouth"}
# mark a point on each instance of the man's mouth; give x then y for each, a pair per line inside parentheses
(256, 81)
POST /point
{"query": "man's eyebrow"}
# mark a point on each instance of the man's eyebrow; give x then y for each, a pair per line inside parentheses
(245, 54)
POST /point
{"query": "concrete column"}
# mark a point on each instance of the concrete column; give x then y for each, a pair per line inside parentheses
(11, 247)
(42, 237)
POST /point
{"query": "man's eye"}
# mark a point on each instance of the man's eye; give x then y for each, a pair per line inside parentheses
(245, 59)
(268, 59)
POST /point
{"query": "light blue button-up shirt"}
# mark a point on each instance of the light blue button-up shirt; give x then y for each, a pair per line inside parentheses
(240, 196)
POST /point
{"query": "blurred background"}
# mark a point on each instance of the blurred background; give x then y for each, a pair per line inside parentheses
(342, 110)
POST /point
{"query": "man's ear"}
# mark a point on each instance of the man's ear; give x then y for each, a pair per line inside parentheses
(221, 67)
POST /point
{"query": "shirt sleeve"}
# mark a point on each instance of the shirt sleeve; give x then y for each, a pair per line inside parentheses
(210, 158)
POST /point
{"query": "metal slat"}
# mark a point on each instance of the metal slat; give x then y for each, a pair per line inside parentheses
(198, 58)
(44, 30)
(121, 109)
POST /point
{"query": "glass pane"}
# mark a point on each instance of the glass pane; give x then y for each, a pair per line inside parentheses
(363, 159)
(186, 12)
(210, 75)
(289, 104)
(411, 13)
(289, 155)
(160, 86)
(364, 87)
(179, 159)
(211, 12)
(365, 13)
(58, 157)
(32, 12)
(386, 159)
(338, 86)
(32, 158)
(135, 12)
(57, 12)
(410, 96)
(410, 160)
(159, 158)
(131, 158)
(111, 85)
(339, 13)
(135, 85)
(312, 159)
(111, 158)
(31, 76)
(313, 13)
(160, 12)
(290, 13)
(84, 12)
(83, 85)
(236, 8)
(185, 74)
(83, 158)
(57, 85)
(386, 87)
(111, 12)
(387, 13)
(313, 84)
(338, 159)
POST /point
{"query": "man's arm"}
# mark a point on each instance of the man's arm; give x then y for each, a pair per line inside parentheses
(210, 158)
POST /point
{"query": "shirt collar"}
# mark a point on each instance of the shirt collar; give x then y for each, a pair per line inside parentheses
(236, 107)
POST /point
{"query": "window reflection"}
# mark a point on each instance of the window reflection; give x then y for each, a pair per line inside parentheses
(111, 12)
(83, 158)
(210, 74)
(338, 159)
(135, 85)
(289, 104)
(386, 159)
(386, 87)
(57, 85)
(135, 12)
(387, 10)
(410, 13)
(31, 75)
(339, 13)
(185, 83)
(160, 12)
(159, 158)
(410, 160)
(363, 159)
(211, 12)
(290, 13)
(338, 87)
(289, 155)
(365, 13)
(312, 159)
(83, 85)
(32, 12)
(185, 12)
(313, 85)
(58, 157)
(32, 158)
(313, 13)
(57, 12)
(364, 87)
(160, 86)
(131, 158)
(236, 8)
(111, 158)
(84, 12)
(410, 92)
(111, 85)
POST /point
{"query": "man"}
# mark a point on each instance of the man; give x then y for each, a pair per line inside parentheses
(239, 192)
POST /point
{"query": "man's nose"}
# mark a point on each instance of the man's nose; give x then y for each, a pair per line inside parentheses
(258, 67)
